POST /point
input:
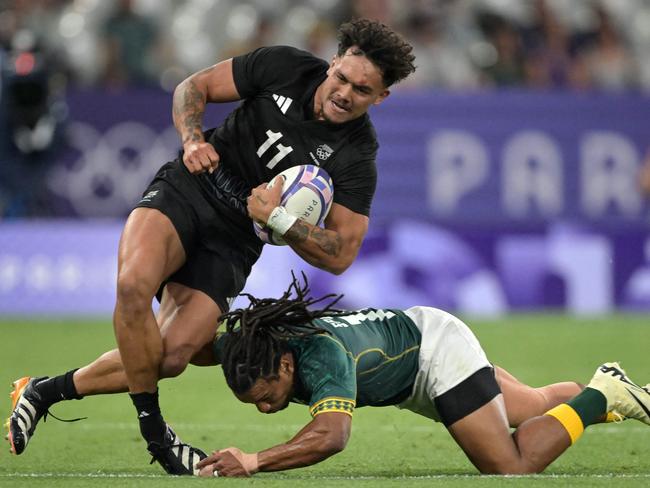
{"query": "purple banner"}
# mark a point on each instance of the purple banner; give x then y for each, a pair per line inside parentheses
(513, 158)
(486, 203)
(504, 158)
(64, 267)
(69, 267)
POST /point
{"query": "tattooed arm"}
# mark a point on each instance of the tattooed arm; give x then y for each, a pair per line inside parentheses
(213, 84)
(333, 248)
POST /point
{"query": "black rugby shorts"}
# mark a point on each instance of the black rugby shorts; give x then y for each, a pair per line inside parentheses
(219, 251)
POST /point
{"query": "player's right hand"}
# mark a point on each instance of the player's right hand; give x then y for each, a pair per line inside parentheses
(230, 462)
(200, 157)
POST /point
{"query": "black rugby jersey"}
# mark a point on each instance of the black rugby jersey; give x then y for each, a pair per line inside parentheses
(274, 129)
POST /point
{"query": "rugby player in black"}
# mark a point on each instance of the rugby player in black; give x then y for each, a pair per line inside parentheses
(190, 241)
(422, 359)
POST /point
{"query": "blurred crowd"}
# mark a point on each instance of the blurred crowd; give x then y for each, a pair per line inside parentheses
(460, 44)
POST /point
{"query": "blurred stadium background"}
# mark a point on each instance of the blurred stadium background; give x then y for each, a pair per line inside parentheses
(513, 177)
(510, 169)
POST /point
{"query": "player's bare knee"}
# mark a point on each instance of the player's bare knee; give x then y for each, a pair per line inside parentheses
(174, 362)
(133, 294)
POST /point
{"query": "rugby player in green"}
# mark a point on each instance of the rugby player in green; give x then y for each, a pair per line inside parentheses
(423, 359)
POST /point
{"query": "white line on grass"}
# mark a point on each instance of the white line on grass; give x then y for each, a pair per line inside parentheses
(81, 475)
(342, 478)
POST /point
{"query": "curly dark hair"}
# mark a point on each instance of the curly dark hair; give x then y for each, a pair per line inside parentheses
(257, 336)
(380, 44)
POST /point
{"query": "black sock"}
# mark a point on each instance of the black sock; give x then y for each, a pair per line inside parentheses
(58, 388)
(152, 425)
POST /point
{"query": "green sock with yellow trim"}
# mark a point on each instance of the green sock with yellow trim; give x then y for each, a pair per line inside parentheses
(582, 410)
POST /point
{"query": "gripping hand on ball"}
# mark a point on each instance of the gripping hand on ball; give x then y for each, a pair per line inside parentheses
(263, 200)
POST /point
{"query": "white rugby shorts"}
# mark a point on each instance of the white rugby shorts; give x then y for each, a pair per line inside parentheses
(450, 353)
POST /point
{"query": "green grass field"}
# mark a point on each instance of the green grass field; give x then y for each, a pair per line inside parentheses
(388, 447)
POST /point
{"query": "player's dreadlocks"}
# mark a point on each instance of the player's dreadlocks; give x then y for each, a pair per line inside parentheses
(257, 335)
(381, 45)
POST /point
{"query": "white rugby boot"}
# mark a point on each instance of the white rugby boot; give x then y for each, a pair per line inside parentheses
(624, 397)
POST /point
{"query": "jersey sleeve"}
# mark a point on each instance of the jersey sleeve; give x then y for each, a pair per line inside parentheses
(327, 371)
(354, 188)
(263, 68)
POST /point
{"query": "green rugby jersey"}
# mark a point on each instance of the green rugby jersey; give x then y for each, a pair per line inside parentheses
(368, 357)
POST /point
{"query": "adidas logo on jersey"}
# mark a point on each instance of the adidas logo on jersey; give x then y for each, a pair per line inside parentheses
(149, 196)
(283, 102)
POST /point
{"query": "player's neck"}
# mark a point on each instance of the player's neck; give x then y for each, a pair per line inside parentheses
(318, 104)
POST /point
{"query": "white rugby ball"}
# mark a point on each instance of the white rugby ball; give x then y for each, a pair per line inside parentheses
(307, 193)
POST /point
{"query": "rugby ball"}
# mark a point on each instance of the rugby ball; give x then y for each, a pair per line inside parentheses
(307, 193)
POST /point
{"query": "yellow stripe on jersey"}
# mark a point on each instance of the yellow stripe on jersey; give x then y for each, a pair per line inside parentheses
(332, 404)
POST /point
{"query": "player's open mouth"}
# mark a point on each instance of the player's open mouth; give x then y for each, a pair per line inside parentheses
(337, 107)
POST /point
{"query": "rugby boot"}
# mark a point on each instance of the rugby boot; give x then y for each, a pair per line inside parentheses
(615, 417)
(27, 409)
(624, 397)
(175, 457)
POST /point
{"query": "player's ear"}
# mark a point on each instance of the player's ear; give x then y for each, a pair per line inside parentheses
(330, 70)
(286, 363)
(382, 96)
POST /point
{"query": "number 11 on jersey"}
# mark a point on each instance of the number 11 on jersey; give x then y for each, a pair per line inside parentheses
(282, 150)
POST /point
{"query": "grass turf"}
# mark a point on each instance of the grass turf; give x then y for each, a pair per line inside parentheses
(388, 447)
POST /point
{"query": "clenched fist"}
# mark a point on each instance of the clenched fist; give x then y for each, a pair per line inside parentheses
(200, 157)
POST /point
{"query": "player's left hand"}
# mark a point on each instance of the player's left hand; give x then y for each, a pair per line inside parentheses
(263, 200)
(230, 462)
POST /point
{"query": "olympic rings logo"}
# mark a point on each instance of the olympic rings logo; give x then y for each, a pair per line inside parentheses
(104, 174)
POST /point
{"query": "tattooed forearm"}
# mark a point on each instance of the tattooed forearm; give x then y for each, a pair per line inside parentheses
(188, 108)
(299, 232)
(328, 241)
